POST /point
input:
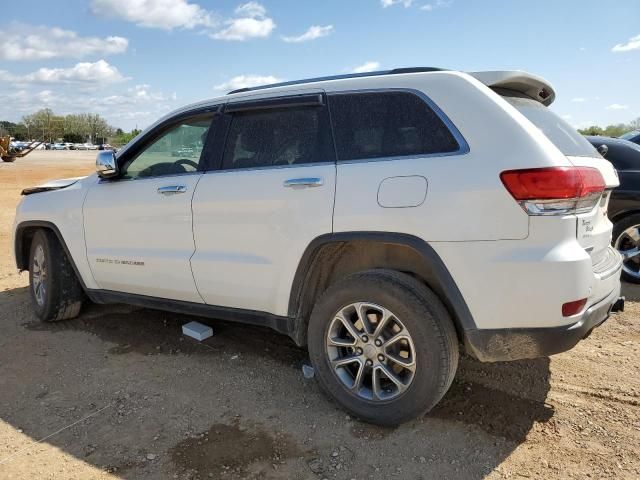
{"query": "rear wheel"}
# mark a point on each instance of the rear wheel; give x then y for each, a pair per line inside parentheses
(55, 291)
(383, 346)
(626, 239)
(9, 159)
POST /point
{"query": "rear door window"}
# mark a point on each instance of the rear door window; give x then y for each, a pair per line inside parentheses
(278, 137)
(387, 124)
(561, 134)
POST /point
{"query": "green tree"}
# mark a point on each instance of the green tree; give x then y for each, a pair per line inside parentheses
(611, 130)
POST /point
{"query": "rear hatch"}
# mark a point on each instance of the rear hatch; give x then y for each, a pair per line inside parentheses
(593, 228)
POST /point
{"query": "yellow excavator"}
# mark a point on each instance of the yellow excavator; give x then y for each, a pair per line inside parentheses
(9, 154)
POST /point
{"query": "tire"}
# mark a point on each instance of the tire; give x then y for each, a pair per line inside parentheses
(56, 295)
(432, 339)
(8, 159)
(621, 241)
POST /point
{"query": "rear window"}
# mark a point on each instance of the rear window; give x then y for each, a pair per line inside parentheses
(563, 135)
(390, 124)
(630, 135)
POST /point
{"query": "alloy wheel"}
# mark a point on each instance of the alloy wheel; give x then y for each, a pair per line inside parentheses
(39, 275)
(371, 351)
(628, 244)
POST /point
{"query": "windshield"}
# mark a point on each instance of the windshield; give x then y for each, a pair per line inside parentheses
(563, 135)
(630, 135)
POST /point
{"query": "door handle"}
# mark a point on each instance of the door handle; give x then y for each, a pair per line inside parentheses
(304, 182)
(172, 189)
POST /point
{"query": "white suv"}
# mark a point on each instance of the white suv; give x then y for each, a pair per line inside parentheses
(384, 220)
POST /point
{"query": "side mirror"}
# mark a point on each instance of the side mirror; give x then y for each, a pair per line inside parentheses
(106, 164)
(603, 150)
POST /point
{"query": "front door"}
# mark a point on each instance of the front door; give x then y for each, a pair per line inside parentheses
(138, 226)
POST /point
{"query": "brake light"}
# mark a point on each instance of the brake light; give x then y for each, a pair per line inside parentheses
(572, 308)
(555, 190)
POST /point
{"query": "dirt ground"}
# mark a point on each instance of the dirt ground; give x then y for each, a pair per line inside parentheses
(119, 393)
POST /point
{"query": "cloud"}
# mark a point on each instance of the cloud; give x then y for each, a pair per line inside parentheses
(314, 32)
(429, 7)
(251, 9)
(617, 106)
(164, 14)
(27, 42)
(241, 29)
(251, 22)
(366, 67)
(390, 3)
(245, 81)
(136, 95)
(250, 19)
(632, 44)
(579, 100)
(99, 72)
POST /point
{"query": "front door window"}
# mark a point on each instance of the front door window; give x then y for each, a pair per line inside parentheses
(176, 151)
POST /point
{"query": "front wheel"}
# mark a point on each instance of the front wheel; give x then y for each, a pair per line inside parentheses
(383, 346)
(55, 291)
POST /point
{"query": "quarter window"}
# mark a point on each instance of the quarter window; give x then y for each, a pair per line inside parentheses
(278, 137)
(389, 124)
(173, 152)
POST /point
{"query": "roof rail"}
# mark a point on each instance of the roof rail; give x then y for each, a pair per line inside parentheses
(395, 71)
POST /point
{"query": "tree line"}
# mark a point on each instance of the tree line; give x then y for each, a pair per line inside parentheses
(45, 126)
(611, 130)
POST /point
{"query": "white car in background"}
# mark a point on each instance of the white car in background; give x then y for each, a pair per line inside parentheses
(384, 220)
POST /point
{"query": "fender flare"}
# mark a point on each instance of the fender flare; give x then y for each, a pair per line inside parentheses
(623, 214)
(18, 243)
(438, 277)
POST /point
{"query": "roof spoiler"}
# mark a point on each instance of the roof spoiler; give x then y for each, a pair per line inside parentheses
(531, 85)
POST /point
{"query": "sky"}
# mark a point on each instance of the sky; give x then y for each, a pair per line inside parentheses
(133, 61)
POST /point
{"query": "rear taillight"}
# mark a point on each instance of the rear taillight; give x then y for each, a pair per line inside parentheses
(555, 190)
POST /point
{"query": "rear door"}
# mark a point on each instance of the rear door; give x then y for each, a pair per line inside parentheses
(270, 195)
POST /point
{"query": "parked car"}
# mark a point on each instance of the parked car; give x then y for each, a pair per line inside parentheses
(633, 136)
(58, 146)
(183, 152)
(384, 237)
(90, 146)
(105, 146)
(624, 204)
(79, 146)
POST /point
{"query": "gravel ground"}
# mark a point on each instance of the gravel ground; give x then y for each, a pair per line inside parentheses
(119, 393)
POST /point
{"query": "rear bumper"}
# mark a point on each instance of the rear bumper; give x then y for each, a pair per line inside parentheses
(496, 345)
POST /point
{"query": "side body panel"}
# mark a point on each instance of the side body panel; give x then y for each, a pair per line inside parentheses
(625, 199)
(502, 260)
(62, 208)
